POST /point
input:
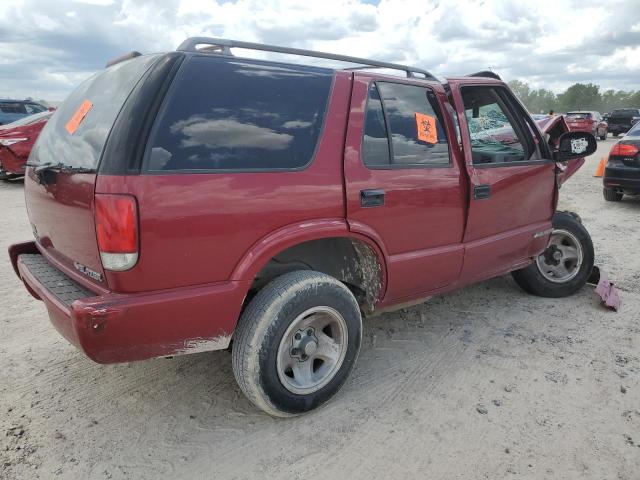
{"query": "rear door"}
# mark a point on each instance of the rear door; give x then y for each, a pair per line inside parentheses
(403, 183)
(512, 191)
(59, 189)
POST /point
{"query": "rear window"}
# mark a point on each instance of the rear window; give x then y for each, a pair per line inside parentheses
(625, 112)
(105, 92)
(232, 114)
(579, 116)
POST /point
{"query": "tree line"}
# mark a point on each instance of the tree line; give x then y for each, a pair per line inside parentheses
(579, 96)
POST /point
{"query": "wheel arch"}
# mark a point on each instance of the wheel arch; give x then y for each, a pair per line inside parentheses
(365, 268)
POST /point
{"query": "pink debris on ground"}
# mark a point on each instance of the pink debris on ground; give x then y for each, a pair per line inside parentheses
(608, 292)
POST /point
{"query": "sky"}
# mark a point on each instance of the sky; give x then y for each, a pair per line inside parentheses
(49, 46)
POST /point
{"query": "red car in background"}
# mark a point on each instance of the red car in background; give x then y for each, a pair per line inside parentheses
(16, 141)
(591, 122)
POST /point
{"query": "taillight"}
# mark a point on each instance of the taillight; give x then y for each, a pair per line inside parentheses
(116, 219)
(623, 150)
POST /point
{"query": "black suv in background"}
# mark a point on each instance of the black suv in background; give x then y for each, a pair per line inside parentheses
(622, 119)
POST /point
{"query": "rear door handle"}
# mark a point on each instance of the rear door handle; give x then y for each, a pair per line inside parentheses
(481, 191)
(372, 198)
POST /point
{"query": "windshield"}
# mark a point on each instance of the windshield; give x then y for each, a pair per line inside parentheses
(27, 120)
(75, 136)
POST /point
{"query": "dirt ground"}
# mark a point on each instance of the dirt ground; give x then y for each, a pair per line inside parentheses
(484, 383)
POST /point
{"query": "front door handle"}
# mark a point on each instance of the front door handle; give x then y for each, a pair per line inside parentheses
(481, 191)
(372, 198)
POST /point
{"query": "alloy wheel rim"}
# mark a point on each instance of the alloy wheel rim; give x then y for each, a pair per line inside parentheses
(312, 350)
(562, 259)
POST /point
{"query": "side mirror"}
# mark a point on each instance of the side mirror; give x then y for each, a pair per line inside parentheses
(575, 145)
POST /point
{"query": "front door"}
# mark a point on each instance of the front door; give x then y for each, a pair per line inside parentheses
(512, 191)
(403, 184)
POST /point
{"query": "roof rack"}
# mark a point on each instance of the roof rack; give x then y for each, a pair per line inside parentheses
(485, 74)
(223, 46)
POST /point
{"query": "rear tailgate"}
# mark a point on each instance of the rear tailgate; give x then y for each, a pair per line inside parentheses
(59, 187)
(580, 122)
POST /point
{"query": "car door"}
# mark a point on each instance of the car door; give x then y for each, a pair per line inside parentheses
(403, 183)
(512, 176)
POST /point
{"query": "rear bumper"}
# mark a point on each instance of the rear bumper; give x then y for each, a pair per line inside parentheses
(114, 327)
(622, 179)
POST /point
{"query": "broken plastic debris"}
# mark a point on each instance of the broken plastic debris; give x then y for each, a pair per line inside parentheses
(607, 290)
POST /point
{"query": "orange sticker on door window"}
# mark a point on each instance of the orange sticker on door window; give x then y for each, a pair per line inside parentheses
(426, 125)
(73, 124)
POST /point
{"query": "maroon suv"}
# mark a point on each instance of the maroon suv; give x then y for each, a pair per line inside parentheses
(193, 201)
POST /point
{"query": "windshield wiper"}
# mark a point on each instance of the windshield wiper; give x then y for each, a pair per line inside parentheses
(60, 167)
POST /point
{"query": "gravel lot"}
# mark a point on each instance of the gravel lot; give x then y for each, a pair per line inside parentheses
(487, 383)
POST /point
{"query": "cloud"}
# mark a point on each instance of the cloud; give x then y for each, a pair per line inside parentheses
(49, 47)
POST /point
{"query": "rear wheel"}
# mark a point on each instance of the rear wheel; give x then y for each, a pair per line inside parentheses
(615, 134)
(603, 136)
(296, 343)
(563, 268)
(611, 195)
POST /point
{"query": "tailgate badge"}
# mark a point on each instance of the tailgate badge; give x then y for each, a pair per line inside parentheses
(87, 271)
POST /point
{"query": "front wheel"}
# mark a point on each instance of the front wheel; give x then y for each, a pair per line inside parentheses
(296, 343)
(564, 267)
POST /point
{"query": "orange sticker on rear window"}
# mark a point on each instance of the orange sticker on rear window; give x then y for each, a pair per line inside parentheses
(73, 124)
(426, 125)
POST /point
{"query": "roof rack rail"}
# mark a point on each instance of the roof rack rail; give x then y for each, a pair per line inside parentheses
(485, 74)
(122, 58)
(223, 46)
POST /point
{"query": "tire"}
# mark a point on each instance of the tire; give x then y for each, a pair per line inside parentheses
(262, 355)
(611, 195)
(540, 278)
(603, 137)
(615, 134)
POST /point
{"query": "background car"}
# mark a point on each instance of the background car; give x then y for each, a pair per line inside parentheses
(587, 121)
(622, 119)
(622, 172)
(12, 110)
(17, 140)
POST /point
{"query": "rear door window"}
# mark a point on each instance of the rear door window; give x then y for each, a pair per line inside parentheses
(410, 116)
(226, 114)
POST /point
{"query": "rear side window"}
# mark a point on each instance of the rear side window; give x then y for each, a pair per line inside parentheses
(227, 114)
(104, 94)
(412, 120)
(625, 112)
